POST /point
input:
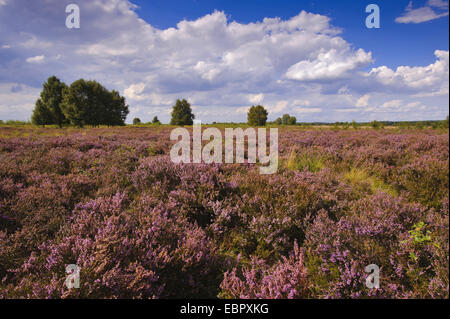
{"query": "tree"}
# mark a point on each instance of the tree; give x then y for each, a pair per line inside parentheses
(41, 114)
(376, 125)
(89, 103)
(292, 120)
(155, 120)
(136, 121)
(117, 109)
(182, 113)
(285, 119)
(49, 103)
(77, 102)
(257, 115)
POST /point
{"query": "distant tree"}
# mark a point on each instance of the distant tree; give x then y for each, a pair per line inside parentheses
(354, 124)
(285, 119)
(376, 124)
(155, 120)
(279, 121)
(292, 120)
(89, 103)
(420, 125)
(50, 103)
(136, 121)
(41, 114)
(257, 115)
(182, 113)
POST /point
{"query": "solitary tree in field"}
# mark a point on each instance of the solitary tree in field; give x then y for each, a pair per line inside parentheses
(136, 121)
(49, 103)
(182, 113)
(155, 120)
(257, 116)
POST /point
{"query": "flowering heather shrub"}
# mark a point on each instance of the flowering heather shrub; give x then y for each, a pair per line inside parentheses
(425, 180)
(286, 279)
(139, 226)
(339, 250)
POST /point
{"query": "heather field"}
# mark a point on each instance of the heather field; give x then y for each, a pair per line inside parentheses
(139, 226)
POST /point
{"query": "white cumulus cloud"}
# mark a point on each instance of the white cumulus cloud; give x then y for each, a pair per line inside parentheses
(432, 76)
(327, 65)
(36, 59)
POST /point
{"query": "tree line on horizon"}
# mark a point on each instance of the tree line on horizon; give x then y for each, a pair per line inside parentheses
(182, 115)
(90, 103)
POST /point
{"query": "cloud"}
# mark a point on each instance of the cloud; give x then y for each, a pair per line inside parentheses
(308, 110)
(434, 9)
(412, 105)
(279, 106)
(36, 59)
(133, 91)
(392, 104)
(431, 77)
(329, 65)
(363, 101)
(438, 3)
(256, 98)
(17, 101)
(301, 103)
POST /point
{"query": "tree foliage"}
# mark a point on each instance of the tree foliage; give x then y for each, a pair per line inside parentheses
(89, 103)
(155, 120)
(41, 114)
(48, 107)
(257, 115)
(286, 119)
(182, 113)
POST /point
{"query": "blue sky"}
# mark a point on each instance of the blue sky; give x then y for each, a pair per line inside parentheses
(312, 59)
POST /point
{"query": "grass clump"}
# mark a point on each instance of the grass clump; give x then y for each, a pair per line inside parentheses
(301, 161)
(360, 178)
